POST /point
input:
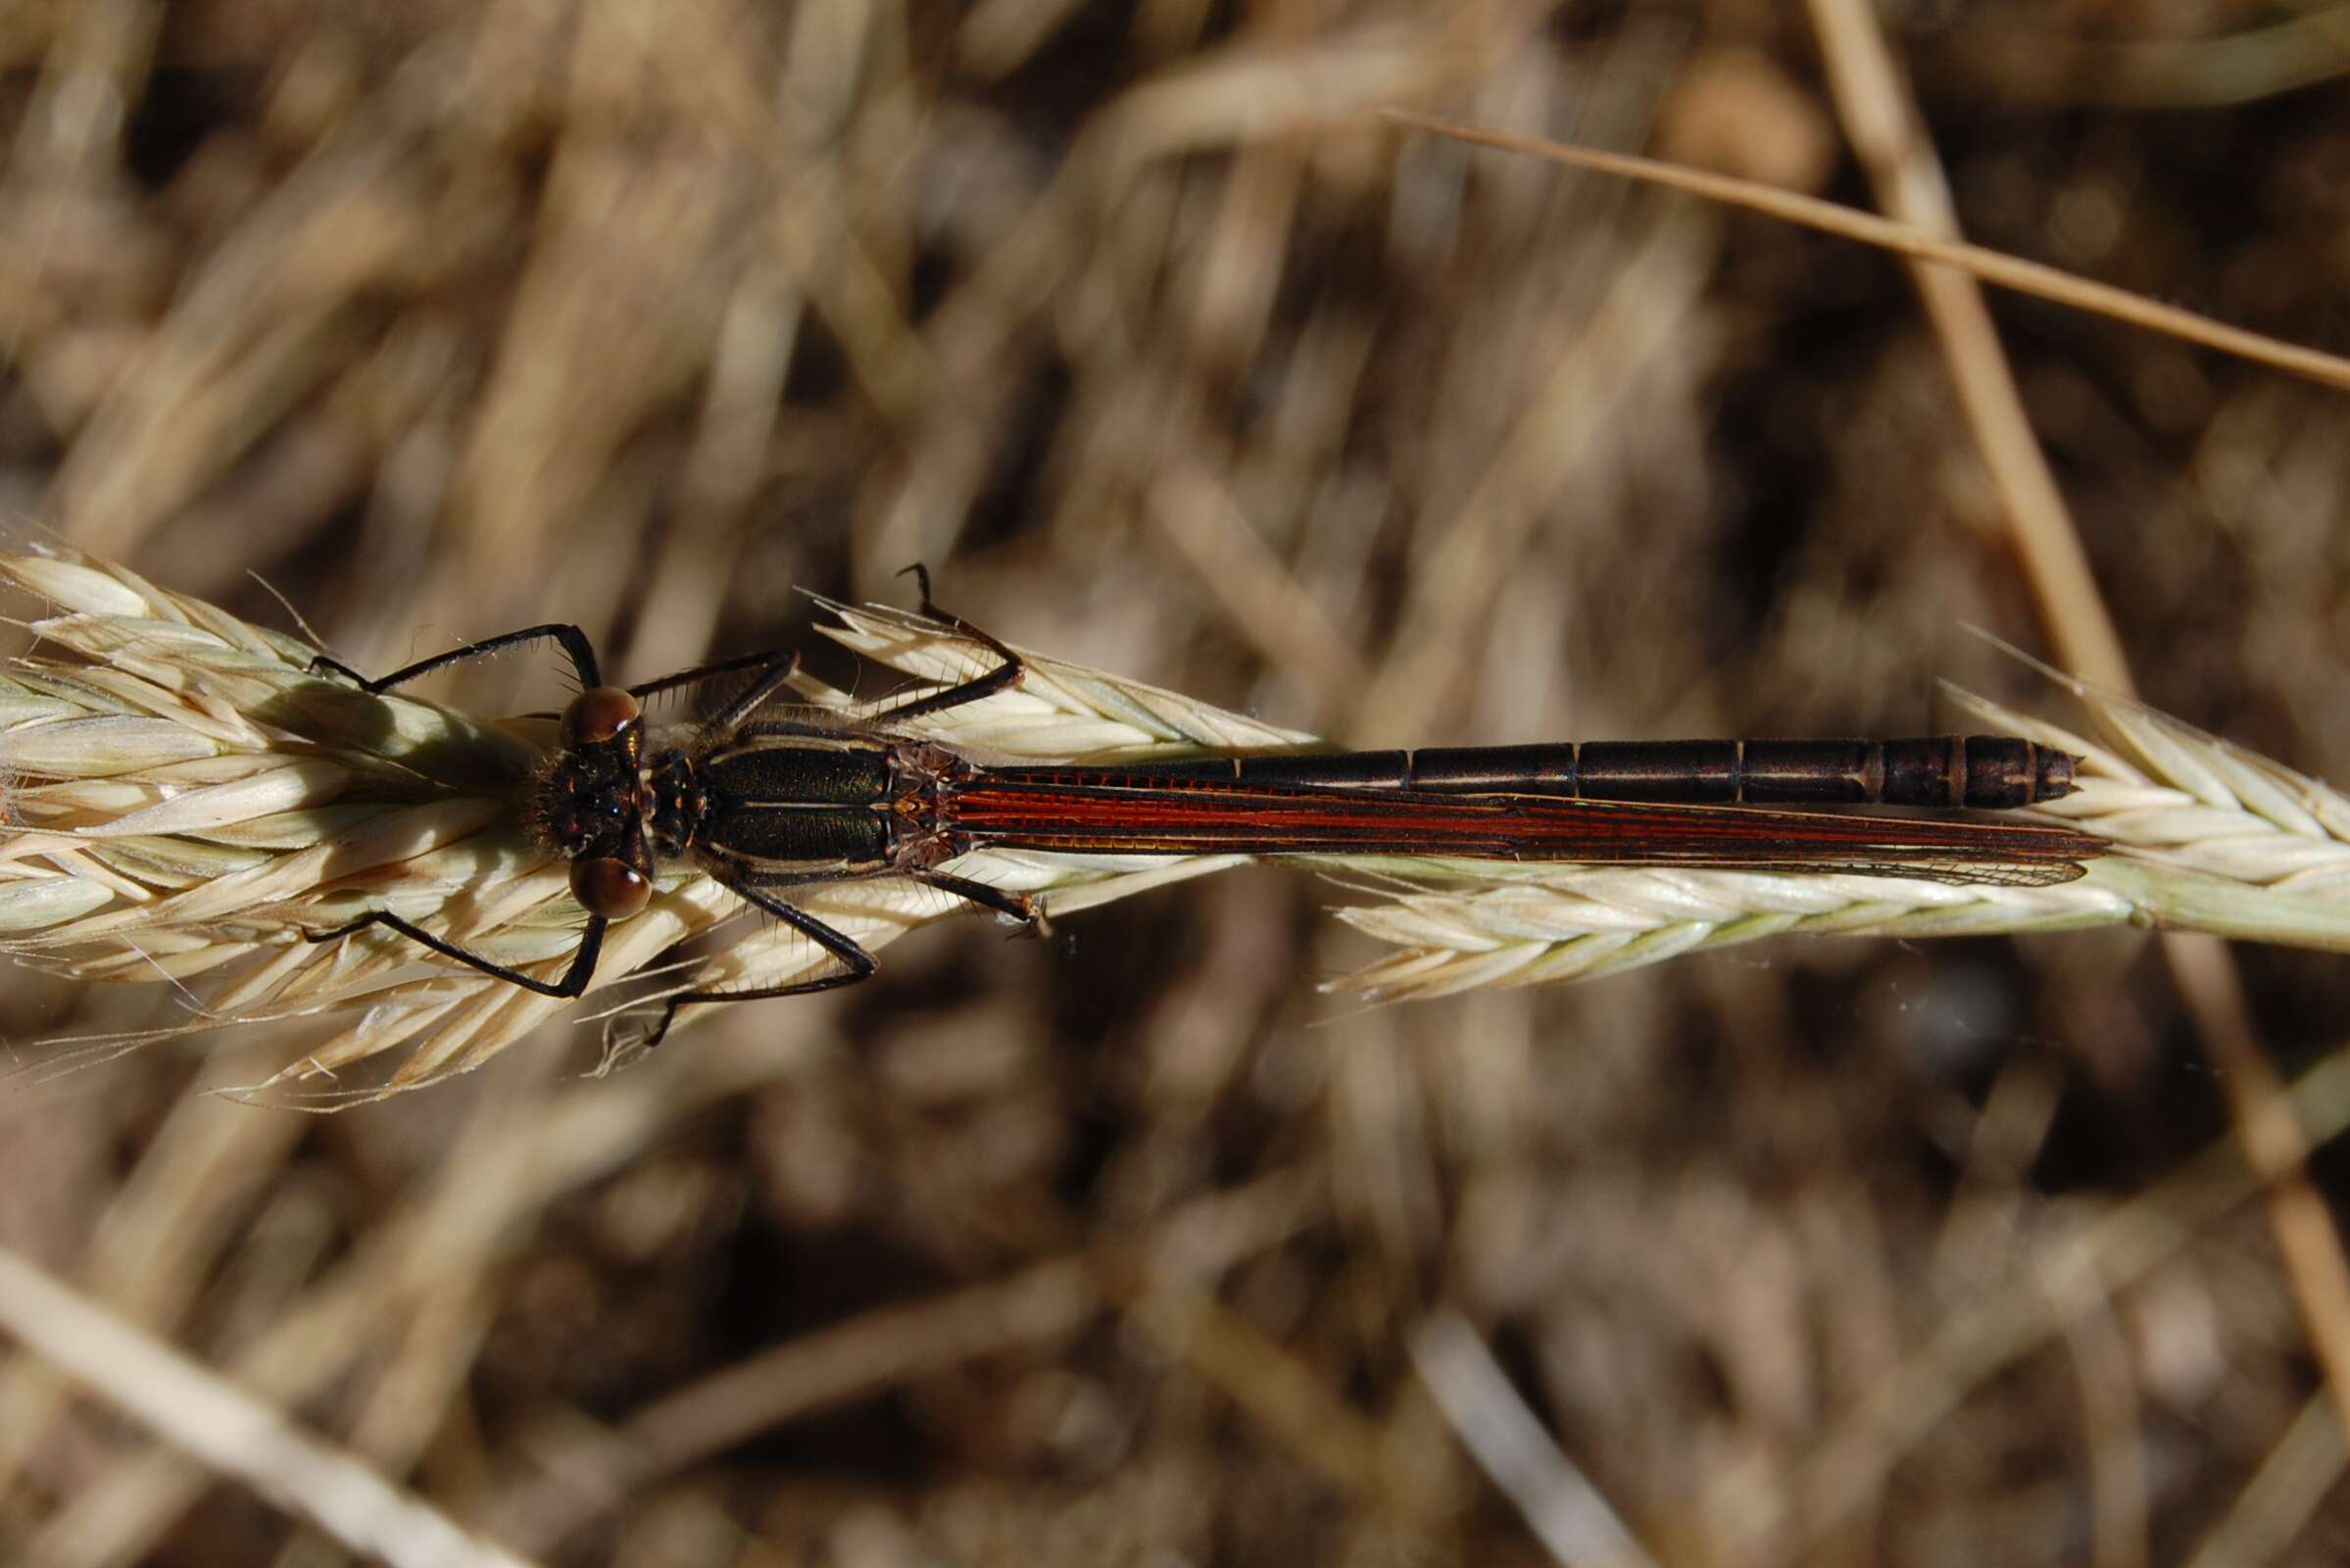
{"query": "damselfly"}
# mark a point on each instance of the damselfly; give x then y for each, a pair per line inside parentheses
(765, 799)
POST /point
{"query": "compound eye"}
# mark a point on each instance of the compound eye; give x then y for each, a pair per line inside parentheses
(613, 889)
(600, 714)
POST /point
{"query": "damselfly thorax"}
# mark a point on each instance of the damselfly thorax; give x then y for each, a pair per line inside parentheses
(754, 802)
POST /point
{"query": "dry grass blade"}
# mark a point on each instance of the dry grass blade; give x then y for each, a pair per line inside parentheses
(234, 1432)
(1990, 266)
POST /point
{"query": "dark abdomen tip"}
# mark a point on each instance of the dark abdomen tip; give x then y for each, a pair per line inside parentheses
(2055, 780)
(2004, 773)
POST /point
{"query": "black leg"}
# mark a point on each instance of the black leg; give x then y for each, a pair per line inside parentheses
(776, 665)
(574, 981)
(857, 964)
(1017, 906)
(780, 670)
(574, 643)
(993, 682)
(704, 672)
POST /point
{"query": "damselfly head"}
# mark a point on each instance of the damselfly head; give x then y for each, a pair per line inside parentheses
(588, 804)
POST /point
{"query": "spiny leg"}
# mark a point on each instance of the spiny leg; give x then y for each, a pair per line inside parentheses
(1013, 906)
(978, 686)
(574, 980)
(575, 646)
(790, 663)
(778, 667)
(858, 965)
(770, 680)
(775, 667)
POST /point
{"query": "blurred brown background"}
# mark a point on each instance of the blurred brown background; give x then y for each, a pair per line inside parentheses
(1135, 322)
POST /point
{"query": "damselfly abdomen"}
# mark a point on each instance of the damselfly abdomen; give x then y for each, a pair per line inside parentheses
(765, 803)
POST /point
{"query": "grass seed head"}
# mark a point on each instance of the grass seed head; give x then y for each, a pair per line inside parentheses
(182, 799)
